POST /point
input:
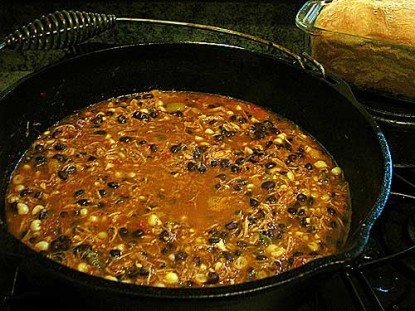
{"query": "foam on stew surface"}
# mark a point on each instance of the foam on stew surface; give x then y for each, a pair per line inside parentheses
(178, 189)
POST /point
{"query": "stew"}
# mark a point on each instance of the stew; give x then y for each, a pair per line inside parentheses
(178, 189)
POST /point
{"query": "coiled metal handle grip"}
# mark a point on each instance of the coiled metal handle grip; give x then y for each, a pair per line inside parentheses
(58, 30)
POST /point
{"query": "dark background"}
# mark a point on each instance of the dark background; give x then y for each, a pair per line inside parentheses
(272, 20)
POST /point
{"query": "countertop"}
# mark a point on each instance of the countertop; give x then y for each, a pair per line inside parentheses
(271, 20)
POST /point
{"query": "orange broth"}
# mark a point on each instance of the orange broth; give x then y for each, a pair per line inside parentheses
(178, 189)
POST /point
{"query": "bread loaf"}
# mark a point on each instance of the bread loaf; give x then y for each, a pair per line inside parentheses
(370, 43)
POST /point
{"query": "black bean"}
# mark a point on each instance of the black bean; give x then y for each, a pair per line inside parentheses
(301, 197)
(221, 177)
(242, 120)
(82, 250)
(270, 165)
(258, 135)
(253, 158)
(268, 185)
(141, 116)
(301, 212)
(115, 253)
(232, 225)
(333, 224)
(113, 185)
(102, 192)
(234, 117)
(237, 187)
(61, 243)
(310, 201)
(38, 195)
(214, 240)
(218, 137)
(308, 166)
(123, 231)
(175, 148)
(138, 233)
(25, 192)
(154, 114)
(331, 211)
(242, 244)
(126, 139)
(180, 256)
(228, 256)
(142, 142)
(253, 202)
(251, 272)
(212, 106)
(235, 169)
(292, 210)
(122, 119)
(101, 204)
(71, 170)
(202, 168)
(191, 166)
(217, 186)
(177, 114)
(83, 202)
(78, 193)
(63, 175)
(240, 161)
(291, 158)
(261, 257)
(274, 130)
(165, 236)
(40, 160)
(137, 272)
(271, 199)
(224, 163)
(212, 278)
(92, 159)
(60, 147)
(268, 144)
(154, 147)
(100, 132)
(213, 163)
(43, 214)
(60, 157)
(39, 148)
(202, 149)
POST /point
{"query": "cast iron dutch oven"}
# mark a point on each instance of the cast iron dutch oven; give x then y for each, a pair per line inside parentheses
(321, 106)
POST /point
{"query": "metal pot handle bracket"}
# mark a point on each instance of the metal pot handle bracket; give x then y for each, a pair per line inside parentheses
(64, 29)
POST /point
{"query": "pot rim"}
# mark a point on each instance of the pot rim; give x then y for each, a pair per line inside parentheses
(312, 268)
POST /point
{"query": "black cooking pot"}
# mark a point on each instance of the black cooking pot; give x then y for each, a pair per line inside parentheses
(323, 107)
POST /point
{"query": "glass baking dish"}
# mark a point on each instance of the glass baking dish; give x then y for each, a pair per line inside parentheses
(385, 67)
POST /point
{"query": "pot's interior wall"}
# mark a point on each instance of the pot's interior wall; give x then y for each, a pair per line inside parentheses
(40, 101)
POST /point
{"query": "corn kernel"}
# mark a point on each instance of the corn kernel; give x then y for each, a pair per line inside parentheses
(42, 246)
(313, 246)
(320, 164)
(22, 209)
(171, 277)
(336, 171)
(153, 220)
(35, 225)
(18, 179)
(83, 267)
